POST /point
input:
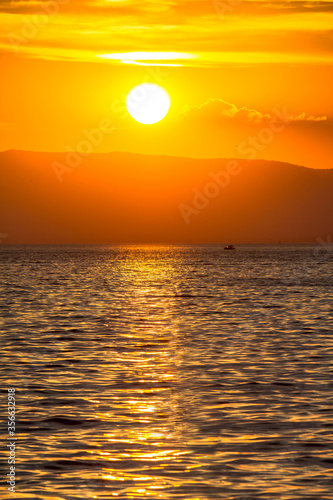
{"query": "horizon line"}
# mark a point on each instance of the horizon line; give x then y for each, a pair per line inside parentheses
(164, 156)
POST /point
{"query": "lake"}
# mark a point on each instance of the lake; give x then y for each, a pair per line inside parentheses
(169, 372)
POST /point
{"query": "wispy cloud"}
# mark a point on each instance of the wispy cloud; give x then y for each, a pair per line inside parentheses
(279, 31)
(149, 58)
(186, 8)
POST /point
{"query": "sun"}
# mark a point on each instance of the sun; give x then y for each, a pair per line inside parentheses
(148, 103)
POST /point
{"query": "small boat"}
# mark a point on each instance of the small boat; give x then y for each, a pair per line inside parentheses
(229, 247)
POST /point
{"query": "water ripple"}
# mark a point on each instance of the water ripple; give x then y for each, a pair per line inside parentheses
(169, 372)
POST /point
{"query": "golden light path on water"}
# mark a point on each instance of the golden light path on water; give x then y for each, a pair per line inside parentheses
(161, 368)
(169, 372)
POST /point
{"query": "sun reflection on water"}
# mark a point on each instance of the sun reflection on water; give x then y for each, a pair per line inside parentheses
(148, 401)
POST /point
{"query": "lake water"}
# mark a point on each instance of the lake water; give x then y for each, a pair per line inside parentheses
(169, 372)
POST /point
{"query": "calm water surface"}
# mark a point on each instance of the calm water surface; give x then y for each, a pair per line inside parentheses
(170, 372)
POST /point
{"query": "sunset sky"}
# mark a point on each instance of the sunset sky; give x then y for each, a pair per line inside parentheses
(232, 70)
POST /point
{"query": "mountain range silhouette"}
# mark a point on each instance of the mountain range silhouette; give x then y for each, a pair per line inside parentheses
(131, 198)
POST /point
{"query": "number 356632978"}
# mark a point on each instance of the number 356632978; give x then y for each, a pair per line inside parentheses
(11, 410)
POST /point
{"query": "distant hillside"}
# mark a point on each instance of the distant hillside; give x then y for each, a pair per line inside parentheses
(128, 198)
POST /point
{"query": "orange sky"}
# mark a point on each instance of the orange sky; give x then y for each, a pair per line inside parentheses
(236, 68)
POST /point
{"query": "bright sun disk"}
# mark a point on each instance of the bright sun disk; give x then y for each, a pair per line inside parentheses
(148, 103)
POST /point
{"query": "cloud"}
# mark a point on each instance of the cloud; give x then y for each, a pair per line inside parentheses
(77, 6)
(276, 7)
(217, 111)
(178, 8)
(175, 25)
(308, 118)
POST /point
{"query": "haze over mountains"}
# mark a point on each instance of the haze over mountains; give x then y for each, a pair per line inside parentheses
(129, 198)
